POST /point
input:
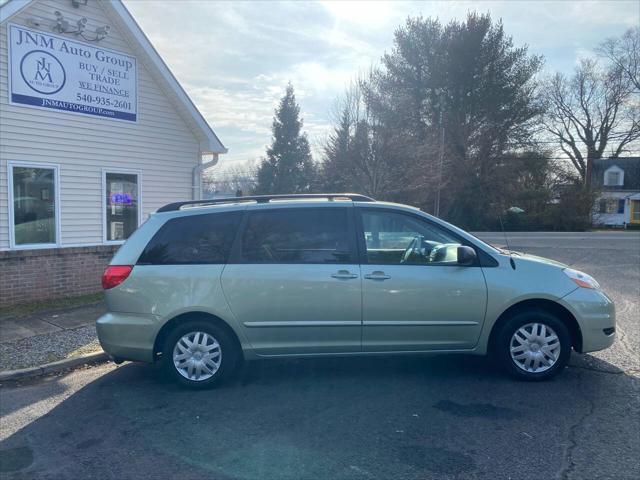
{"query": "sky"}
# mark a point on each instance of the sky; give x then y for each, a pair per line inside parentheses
(234, 59)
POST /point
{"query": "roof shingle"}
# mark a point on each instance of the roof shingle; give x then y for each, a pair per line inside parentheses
(630, 165)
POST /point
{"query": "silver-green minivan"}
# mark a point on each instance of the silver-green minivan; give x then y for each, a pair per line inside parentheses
(203, 285)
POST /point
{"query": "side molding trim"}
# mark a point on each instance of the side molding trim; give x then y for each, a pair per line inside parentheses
(320, 323)
(375, 323)
(417, 323)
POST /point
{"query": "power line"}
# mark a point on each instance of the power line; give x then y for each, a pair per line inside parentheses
(251, 175)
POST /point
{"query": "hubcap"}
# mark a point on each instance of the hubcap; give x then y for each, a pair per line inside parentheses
(197, 356)
(535, 347)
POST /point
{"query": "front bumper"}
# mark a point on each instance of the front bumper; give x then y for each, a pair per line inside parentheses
(128, 336)
(596, 316)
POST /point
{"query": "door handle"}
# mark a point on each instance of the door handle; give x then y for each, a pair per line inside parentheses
(377, 275)
(344, 274)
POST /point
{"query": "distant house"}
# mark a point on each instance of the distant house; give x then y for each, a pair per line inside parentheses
(618, 180)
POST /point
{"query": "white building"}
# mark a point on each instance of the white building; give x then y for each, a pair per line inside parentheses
(95, 133)
(618, 181)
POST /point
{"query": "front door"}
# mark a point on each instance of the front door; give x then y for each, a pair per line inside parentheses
(293, 280)
(634, 214)
(415, 296)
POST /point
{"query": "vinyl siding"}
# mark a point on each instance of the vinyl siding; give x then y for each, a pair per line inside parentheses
(161, 145)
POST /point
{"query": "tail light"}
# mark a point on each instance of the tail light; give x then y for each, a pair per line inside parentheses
(114, 275)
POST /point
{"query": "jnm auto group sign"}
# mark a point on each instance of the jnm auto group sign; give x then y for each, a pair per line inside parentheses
(57, 73)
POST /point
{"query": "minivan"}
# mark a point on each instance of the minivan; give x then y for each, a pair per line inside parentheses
(202, 286)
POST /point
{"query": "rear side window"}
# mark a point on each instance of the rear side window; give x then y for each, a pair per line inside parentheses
(192, 239)
(299, 235)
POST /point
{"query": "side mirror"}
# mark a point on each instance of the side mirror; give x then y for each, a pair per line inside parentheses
(466, 255)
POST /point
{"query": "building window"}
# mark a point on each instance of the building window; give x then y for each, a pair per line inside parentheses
(122, 205)
(611, 205)
(33, 200)
(602, 206)
(613, 177)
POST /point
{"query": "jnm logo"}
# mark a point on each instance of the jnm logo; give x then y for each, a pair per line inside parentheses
(42, 72)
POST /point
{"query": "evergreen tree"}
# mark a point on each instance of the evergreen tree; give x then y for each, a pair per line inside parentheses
(337, 163)
(444, 113)
(468, 78)
(288, 167)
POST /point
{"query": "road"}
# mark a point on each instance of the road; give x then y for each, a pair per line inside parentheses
(355, 418)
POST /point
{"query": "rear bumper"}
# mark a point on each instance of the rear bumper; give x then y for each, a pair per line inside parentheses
(128, 336)
(596, 316)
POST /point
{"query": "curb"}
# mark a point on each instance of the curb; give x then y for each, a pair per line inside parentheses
(53, 367)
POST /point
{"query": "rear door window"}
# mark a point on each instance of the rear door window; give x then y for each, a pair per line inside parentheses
(193, 239)
(298, 235)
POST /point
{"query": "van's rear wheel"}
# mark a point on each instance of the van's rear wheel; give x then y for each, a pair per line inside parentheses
(199, 354)
(534, 345)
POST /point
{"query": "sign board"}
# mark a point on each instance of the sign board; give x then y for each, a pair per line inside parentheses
(120, 198)
(52, 72)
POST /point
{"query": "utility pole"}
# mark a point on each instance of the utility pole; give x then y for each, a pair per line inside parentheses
(436, 206)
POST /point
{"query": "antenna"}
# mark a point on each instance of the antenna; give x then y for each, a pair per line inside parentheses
(506, 240)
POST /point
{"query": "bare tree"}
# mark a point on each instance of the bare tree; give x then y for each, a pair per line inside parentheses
(624, 53)
(356, 154)
(236, 179)
(591, 114)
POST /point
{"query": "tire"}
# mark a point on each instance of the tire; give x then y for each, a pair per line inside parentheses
(204, 364)
(541, 345)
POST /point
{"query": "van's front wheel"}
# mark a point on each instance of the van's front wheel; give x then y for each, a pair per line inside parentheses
(534, 345)
(199, 354)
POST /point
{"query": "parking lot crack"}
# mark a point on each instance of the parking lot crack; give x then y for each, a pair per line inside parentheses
(599, 370)
(623, 342)
(568, 464)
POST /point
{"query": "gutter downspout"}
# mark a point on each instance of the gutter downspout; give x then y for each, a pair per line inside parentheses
(197, 174)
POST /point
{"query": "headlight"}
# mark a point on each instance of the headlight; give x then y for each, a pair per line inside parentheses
(581, 279)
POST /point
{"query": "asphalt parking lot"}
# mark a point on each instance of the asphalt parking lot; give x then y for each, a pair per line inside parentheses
(354, 418)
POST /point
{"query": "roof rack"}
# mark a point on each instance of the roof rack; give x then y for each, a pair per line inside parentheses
(354, 197)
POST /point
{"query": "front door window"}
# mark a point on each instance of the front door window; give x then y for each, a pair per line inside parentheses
(394, 238)
(635, 211)
(122, 205)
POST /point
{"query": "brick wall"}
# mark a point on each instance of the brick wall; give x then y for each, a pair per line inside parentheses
(29, 275)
